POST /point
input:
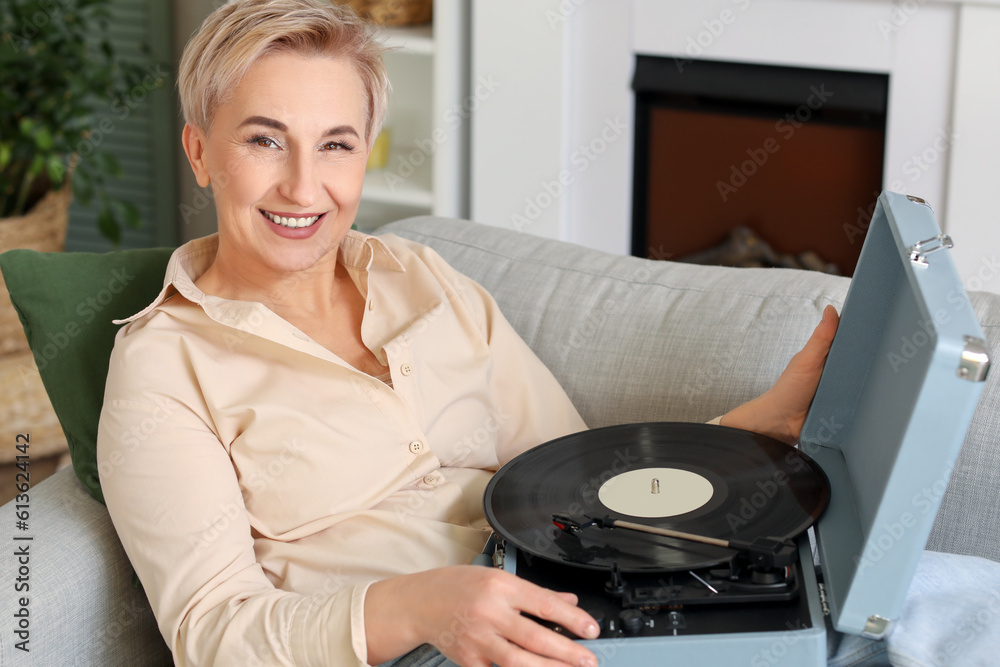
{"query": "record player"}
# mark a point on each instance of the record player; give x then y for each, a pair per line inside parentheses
(689, 543)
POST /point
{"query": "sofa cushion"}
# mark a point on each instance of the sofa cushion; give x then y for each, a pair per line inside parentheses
(66, 302)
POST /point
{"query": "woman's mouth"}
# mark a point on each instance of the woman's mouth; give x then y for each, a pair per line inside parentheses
(292, 221)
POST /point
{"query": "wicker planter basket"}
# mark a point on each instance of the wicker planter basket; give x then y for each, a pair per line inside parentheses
(394, 12)
(24, 405)
(25, 408)
(42, 228)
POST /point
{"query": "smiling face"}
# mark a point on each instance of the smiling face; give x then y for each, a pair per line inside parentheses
(286, 160)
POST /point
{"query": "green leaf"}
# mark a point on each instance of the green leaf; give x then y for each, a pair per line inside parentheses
(26, 126)
(5, 154)
(108, 226)
(57, 170)
(132, 217)
(111, 164)
(43, 138)
(37, 164)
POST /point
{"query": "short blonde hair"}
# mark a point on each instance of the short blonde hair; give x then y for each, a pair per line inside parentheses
(239, 33)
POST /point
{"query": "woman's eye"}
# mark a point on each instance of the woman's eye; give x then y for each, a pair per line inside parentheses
(338, 146)
(263, 142)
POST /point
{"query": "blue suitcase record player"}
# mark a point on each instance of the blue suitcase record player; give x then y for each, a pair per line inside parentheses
(689, 542)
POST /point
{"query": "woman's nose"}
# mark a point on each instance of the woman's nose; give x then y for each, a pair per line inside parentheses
(298, 183)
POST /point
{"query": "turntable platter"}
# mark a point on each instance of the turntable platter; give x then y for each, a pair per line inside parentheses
(703, 479)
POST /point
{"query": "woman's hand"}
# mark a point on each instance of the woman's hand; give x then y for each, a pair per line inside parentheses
(473, 615)
(781, 410)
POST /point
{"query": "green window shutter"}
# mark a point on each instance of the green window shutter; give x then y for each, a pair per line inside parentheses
(142, 134)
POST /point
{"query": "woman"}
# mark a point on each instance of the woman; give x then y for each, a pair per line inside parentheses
(310, 497)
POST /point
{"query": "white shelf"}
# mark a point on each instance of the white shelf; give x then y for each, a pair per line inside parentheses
(427, 167)
(417, 40)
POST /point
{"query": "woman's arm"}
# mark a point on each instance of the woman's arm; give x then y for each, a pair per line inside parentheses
(174, 496)
(175, 501)
(473, 615)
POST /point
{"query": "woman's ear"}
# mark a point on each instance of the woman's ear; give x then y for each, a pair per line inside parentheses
(194, 141)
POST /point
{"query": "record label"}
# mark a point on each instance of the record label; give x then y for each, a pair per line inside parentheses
(656, 492)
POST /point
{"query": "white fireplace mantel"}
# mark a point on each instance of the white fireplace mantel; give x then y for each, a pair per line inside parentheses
(552, 146)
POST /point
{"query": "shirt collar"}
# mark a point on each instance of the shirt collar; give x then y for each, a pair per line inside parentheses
(189, 261)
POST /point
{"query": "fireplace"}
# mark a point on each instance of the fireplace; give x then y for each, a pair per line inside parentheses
(755, 165)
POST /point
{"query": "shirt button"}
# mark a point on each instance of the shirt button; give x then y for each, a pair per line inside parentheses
(416, 446)
(406, 369)
(431, 480)
(371, 305)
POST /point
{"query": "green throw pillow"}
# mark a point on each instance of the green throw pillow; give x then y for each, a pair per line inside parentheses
(66, 302)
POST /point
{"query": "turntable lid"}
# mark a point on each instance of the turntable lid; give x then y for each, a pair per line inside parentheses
(895, 400)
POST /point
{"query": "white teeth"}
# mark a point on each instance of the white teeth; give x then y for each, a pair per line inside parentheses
(293, 223)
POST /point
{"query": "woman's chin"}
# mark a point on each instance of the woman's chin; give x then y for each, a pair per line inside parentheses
(304, 256)
(288, 263)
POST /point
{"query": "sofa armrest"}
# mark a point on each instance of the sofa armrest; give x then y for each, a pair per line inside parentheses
(79, 592)
(968, 521)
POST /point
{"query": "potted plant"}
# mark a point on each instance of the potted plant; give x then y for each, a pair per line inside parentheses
(60, 80)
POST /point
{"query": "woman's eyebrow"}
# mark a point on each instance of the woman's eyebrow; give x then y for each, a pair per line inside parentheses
(342, 129)
(265, 121)
(281, 127)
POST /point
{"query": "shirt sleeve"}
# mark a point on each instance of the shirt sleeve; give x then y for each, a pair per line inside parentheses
(174, 497)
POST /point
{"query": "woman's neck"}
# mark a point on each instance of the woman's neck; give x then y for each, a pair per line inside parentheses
(293, 293)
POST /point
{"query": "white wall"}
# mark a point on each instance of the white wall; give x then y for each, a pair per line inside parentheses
(518, 130)
(973, 214)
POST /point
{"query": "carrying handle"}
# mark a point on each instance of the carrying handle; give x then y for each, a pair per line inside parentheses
(919, 251)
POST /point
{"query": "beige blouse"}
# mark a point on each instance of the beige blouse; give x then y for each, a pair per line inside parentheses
(259, 483)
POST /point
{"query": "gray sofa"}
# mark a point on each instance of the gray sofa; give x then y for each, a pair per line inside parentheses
(631, 340)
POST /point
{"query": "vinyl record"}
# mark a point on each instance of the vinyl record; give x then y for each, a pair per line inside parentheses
(708, 480)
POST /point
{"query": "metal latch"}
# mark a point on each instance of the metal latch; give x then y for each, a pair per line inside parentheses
(975, 362)
(876, 627)
(498, 555)
(919, 251)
